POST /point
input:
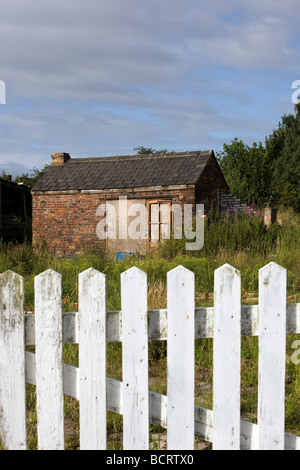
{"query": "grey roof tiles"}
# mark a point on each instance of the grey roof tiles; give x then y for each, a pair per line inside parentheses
(125, 172)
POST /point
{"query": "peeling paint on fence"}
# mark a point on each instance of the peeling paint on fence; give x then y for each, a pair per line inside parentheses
(12, 362)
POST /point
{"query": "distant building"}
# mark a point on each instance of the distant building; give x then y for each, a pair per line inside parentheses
(67, 197)
(15, 211)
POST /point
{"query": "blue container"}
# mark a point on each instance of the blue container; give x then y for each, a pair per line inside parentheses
(121, 255)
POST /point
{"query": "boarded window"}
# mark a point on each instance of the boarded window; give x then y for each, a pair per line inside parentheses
(159, 221)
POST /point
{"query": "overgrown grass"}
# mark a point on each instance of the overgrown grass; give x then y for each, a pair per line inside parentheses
(244, 243)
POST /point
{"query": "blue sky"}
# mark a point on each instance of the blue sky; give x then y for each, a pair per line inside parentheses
(100, 77)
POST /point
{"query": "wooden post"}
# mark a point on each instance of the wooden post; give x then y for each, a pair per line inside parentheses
(135, 360)
(227, 359)
(181, 358)
(49, 363)
(92, 360)
(272, 350)
(12, 362)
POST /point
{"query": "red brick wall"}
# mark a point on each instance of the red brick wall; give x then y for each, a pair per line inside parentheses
(67, 222)
(209, 185)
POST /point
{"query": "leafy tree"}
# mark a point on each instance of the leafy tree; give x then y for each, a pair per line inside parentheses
(245, 169)
(286, 173)
(267, 174)
(26, 178)
(3, 174)
(141, 150)
(30, 179)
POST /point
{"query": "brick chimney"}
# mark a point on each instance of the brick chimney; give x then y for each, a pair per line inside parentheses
(60, 158)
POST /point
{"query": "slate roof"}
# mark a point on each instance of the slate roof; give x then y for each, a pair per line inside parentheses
(125, 172)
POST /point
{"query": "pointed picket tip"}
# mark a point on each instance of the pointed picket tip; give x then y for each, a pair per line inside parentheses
(133, 271)
(10, 276)
(91, 283)
(179, 269)
(90, 273)
(272, 272)
(180, 275)
(15, 292)
(48, 286)
(9, 272)
(272, 266)
(48, 273)
(227, 269)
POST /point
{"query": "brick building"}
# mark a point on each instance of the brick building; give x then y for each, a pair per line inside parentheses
(68, 200)
(15, 211)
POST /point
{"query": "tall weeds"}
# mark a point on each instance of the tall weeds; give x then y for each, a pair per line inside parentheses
(243, 242)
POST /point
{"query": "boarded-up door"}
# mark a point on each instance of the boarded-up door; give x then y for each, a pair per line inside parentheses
(159, 213)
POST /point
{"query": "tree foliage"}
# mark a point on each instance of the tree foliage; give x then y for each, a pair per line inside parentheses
(141, 150)
(33, 177)
(269, 173)
(287, 165)
(29, 179)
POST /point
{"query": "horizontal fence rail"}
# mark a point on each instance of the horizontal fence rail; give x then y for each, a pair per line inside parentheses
(92, 327)
(158, 324)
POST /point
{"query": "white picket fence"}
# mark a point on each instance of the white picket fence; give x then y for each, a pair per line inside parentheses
(92, 327)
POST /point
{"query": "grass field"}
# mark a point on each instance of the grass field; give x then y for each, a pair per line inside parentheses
(243, 243)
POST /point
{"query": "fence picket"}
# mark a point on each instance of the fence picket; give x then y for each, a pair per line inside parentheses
(92, 360)
(272, 350)
(49, 364)
(12, 362)
(181, 357)
(180, 324)
(227, 358)
(135, 359)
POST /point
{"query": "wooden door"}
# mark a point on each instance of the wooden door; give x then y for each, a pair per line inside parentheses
(159, 216)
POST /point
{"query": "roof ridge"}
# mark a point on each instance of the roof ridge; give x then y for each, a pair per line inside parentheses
(125, 171)
(141, 156)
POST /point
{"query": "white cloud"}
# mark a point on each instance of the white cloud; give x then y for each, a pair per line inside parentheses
(105, 76)
(55, 49)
